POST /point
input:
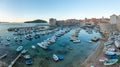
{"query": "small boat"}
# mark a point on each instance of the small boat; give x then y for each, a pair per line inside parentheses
(110, 62)
(58, 35)
(55, 57)
(19, 48)
(90, 41)
(112, 56)
(76, 41)
(72, 38)
(27, 56)
(29, 37)
(111, 49)
(60, 57)
(8, 39)
(36, 35)
(29, 62)
(117, 44)
(52, 40)
(16, 39)
(69, 48)
(33, 46)
(95, 39)
(109, 53)
(24, 51)
(42, 45)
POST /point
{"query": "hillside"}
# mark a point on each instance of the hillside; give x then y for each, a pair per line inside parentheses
(36, 21)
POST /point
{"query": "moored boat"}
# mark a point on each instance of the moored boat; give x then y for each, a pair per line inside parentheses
(24, 51)
(60, 57)
(42, 45)
(27, 56)
(69, 48)
(33, 46)
(55, 57)
(19, 48)
(95, 39)
(72, 38)
(76, 41)
(110, 62)
(90, 41)
(109, 53)
(8, 39)
(29, 62)
(111, 49)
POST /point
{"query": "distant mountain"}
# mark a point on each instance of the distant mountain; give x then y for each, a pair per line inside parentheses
(36, 21)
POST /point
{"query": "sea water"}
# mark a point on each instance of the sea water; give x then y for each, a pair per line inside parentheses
(43, 58)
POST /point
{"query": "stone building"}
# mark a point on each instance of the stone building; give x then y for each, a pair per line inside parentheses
(52, 22)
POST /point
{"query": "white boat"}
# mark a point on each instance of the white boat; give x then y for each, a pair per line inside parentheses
(55, 57)
(27, 56)
(52, 40)
(73, 38)
(109, 53)
(48, 42)
(8, 39)
(117, 44)
(33, 46)
(24, 51)
(19, 48)
(95, 39)
(76, 41)
(111, 49)
(45, 43)
(90, 41)
(42, 45)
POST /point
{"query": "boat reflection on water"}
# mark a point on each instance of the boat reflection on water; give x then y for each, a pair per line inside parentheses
(45, 45)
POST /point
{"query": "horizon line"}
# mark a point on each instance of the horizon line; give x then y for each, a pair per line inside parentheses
(22, 21)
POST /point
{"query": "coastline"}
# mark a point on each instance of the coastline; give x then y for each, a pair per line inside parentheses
(93, 56)
(93, 59)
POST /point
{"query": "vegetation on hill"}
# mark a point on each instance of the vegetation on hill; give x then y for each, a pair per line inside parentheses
(36, 21)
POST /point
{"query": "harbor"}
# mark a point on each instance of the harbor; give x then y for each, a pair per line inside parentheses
(48, 47)
(59, 33)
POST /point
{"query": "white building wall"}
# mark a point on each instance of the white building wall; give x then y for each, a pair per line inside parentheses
(113, 19)
(118, 24)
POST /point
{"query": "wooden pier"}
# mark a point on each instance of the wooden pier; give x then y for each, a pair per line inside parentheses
(14, 61)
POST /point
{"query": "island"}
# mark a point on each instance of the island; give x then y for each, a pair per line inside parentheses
(36, 21)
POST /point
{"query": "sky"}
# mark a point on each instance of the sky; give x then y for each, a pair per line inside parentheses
(26, 10)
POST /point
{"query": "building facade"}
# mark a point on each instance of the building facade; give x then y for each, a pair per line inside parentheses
(52, 22)
(114, 19)
(118, 24)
